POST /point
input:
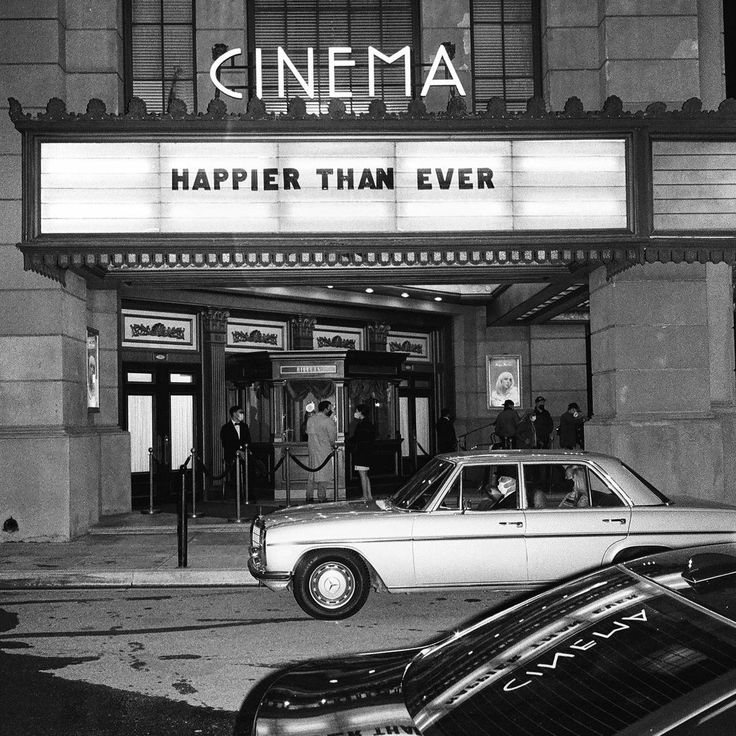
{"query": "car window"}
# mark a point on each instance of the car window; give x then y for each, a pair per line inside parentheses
(566, 485)
(423, 485)
(483, 487)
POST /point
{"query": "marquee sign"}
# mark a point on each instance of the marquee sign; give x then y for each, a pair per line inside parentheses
(321, 184)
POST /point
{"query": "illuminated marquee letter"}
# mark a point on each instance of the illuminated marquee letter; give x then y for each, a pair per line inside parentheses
(440, 56)
(339, 62)
(373, 53)
(307, 86)
(216, 64)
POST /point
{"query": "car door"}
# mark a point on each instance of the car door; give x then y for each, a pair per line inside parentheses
(458, 543)
(565, 536)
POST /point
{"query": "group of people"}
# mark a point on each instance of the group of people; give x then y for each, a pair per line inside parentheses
(320, 429)
(535, 430)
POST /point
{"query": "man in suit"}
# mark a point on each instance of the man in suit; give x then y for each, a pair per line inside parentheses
(234, 435)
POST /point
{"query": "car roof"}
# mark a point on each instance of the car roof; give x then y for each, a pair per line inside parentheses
(518, 455)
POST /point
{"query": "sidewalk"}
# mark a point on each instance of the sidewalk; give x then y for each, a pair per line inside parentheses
(134, 550)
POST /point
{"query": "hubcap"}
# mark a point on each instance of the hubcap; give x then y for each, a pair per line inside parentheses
(331, 584)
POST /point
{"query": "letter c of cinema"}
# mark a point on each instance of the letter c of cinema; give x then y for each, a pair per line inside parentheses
(448, 79)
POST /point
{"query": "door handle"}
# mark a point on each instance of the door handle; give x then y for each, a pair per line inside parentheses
(615, 521)
(511, 523)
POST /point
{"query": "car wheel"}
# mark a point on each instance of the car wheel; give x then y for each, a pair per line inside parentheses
(331, 585)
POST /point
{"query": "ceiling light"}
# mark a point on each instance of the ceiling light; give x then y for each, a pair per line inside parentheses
(405, 294)
(330, 286)
(369, 290)
(438, 298)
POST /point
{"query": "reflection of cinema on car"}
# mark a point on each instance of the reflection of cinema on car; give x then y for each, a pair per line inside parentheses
(644, 647)
(451, 526)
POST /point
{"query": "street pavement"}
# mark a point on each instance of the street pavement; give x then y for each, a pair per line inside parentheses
(135, 550)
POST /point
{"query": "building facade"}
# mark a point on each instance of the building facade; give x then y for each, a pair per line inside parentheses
(200, 211)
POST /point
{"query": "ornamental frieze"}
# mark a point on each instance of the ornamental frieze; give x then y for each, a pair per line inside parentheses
(255, 336)
(157, 330)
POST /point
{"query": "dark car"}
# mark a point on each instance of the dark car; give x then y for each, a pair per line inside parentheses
(644, 647)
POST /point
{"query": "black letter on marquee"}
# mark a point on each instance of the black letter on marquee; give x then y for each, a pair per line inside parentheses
(463, 179)
(201, 181)
(177, 178)
(324, 173)
(343, 179)
(238, 176)
(291, 179)
(444, 181)
(385, 178)
(219, 175)
(269, 180)
(484, 178)
(422, 179)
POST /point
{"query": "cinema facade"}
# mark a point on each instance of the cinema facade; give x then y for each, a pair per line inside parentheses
(160, 266)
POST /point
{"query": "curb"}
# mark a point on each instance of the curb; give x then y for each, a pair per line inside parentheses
(181, 578)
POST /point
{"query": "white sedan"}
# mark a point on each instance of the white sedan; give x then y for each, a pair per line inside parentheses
(504, 519)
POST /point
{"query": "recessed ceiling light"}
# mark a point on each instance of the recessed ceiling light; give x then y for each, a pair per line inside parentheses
(405, 294)
(438, 298)
(330, 286)
(369, 290)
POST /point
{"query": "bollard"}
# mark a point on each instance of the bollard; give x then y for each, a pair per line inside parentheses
(194, 514)
(181, 522)
(150, 509)
(238, 482)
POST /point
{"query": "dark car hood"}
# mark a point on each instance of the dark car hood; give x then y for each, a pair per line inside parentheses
(360, 694)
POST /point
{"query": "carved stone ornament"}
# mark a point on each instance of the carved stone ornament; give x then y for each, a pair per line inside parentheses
(573, 108)
(257, 109)
(255, 336)
(336, 341)
(215, 320)
(177, 109)
(377, 109)
(216, 109)
(336, 109)
(96, 109)
(137, 109)
(297, 109)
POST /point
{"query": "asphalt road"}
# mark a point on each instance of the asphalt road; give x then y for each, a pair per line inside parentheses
(180, 661)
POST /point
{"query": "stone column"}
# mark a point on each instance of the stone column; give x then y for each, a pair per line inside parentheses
(663, 374)
(214, 323)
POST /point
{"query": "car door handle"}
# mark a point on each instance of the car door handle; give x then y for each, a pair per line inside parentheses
(614, 521)
(511, 523)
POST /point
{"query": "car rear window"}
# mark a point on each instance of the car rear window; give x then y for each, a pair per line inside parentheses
(608, 654)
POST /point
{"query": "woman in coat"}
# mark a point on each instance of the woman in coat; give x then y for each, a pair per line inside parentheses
(361, 438)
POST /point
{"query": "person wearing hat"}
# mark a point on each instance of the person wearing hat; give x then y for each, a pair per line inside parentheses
(543, 424)
(570, 422)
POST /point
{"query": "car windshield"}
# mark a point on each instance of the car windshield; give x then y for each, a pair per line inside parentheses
(608, 651)
(423, 485)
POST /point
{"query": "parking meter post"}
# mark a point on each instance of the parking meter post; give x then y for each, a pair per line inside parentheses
(287, 474)
(238, 484)
(150, 509)
(181, 522)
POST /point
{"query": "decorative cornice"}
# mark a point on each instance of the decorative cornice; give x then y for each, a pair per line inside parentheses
(494, 116)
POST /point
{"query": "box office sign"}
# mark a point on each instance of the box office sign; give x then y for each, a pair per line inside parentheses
(330, 185)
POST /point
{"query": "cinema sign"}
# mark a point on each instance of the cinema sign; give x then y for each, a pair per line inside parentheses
(293, 185)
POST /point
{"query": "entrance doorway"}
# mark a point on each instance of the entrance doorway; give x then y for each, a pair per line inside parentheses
(415, 416)
(160, 406)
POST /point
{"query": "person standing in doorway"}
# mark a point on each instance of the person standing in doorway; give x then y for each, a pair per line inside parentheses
(234, 436)
(446, 438)
(321, 438)
(543, 423)
(361, 437)
(570, 422)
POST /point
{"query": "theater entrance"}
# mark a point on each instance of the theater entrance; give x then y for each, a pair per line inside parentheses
(160, 409)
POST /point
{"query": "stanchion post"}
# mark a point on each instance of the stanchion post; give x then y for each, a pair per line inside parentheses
(194, 514)
(287, 474)
(150, 509)
(247, 475)
(238, 484)
(334, 471)
(181, 522)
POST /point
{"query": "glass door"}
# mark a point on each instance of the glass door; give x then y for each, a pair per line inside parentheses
(415, 412)
(160, 404)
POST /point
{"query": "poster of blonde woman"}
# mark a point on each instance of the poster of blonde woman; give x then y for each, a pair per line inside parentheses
(503, 374)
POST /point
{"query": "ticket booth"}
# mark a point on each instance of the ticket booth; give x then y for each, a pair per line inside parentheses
(278, 403)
